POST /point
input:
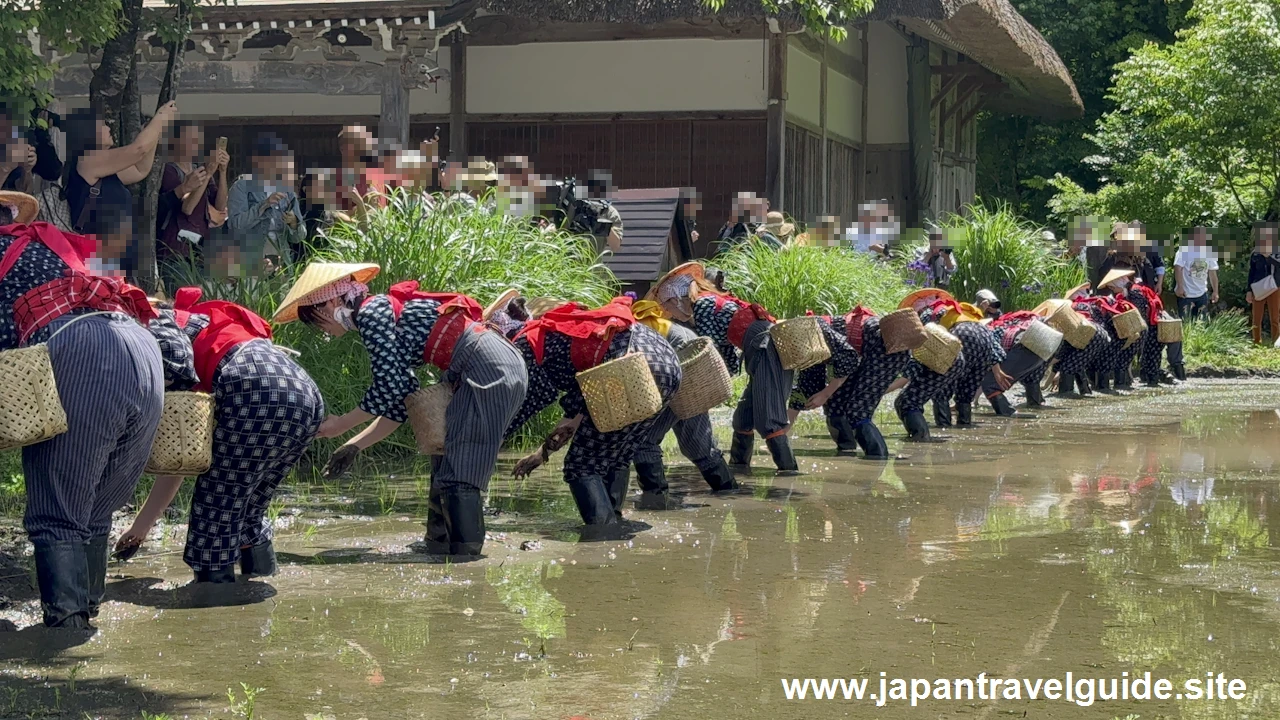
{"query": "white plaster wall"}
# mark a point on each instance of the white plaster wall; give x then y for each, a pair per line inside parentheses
(887, 86)
(804, 85)
(844, 106)
(623, 76)
(214, 105)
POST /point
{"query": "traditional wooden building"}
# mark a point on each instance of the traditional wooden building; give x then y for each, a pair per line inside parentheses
(662, 92)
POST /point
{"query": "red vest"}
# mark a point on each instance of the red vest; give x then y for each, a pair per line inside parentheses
(458, 314)
(230, 325)
(746, 314)
(853, 323)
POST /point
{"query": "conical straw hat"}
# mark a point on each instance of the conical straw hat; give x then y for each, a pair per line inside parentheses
(539, 306)
(26, 207)
(1114, 275)
(692, 268)
(921, 299)
(316, 276)
(501, 302)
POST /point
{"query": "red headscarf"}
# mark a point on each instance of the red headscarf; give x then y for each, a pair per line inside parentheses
(578, 322)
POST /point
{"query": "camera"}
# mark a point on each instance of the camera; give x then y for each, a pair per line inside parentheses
(577, 215)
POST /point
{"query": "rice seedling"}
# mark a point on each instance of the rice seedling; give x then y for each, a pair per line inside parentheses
(243, 708)
(792, 281)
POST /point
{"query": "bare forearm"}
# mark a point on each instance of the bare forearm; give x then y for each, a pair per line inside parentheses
(158, 500)
(220, 199)
(376, 432)
(190, 202)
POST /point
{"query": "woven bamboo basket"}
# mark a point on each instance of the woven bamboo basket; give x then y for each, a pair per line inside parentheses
(902, 331)
(799, 343)
(1169, 330)
(184, 439)
(940, 349)
(30, 408)
(1081, 335)
(1042, 340)
(426, 409)
(1064, 318)
(1129, 324)
(704, 380)
(620, 392)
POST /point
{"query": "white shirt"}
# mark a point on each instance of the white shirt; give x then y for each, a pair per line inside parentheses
(1196, 262)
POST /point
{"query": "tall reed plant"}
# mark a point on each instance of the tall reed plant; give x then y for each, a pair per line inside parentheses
(795, 279)
(1001, 252)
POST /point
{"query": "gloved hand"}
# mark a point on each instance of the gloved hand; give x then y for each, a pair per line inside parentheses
(340, 462)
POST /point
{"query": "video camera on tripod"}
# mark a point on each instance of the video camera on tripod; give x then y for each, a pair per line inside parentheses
(585, 216)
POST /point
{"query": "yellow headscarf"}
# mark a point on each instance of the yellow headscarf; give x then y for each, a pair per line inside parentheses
(650, 313)
(966, 313)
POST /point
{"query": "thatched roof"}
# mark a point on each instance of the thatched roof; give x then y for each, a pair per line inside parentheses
(989, 31)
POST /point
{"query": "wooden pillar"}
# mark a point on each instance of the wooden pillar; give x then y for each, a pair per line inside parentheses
(825, 205)
(776, 119)
(458, 98)
(394, 121)
(866, 95)
(920, 131)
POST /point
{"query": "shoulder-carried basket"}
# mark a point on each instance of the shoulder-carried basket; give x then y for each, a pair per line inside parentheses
(1042, 340)
(1081, 335)
(1169, 329)
(620, 392)
(902, 331)
(1129, 324)
(30, 408)
(940, 349)
(1064, 317)
(184, 439)
(704, 380)
(426, 409)
(799, 343)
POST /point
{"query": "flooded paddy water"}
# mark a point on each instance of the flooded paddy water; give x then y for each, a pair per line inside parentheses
(1105, 536)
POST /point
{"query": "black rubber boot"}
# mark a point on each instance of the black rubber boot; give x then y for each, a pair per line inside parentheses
(942, 413)
(63, 575)
(464, 514)
(592, 499)
(1124, 379)
(917, 428)
(258, 560)
(1176, 365)
(871, 441)
(1082, 382)
(964, 414)
(1179, 372)
(1066, 385)
(221, 576)
(1001, 405)
(842, 433)
(95, 552)
(740, 451)
(616, 483)
(1035, 397)
(720, 477)
(783, 458)
(437, 539)
(654, 492)
(1101, 382)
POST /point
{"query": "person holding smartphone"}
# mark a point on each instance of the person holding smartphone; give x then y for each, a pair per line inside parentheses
(263, 211)
(193, 197)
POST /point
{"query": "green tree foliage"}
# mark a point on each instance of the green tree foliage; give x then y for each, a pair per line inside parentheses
(821, 16)
(64, 25)
(1017, 154)
(1194, 133)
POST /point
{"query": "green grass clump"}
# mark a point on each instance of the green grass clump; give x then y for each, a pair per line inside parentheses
(1001, 252)
(828, 281)
(1224, 342)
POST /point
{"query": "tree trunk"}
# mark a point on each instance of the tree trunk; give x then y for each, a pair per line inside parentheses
(110, 78)
(150, 187)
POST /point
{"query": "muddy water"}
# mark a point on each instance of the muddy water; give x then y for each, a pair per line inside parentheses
(1105, 536)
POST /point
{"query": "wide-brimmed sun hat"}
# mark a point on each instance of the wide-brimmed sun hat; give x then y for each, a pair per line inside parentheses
(25, 207)
(1073, 292)
(692, 269)
(922, 299)
(317, 276)
(539, 306)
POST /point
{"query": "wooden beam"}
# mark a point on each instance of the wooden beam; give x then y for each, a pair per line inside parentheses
(510, 30)
(965, 68)
(947, 86)
(458, 98)
(964, 94)
(393, 123)
(973, 111)
(822, 121)
(861, 182)
(837, 59)
(776, 120)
